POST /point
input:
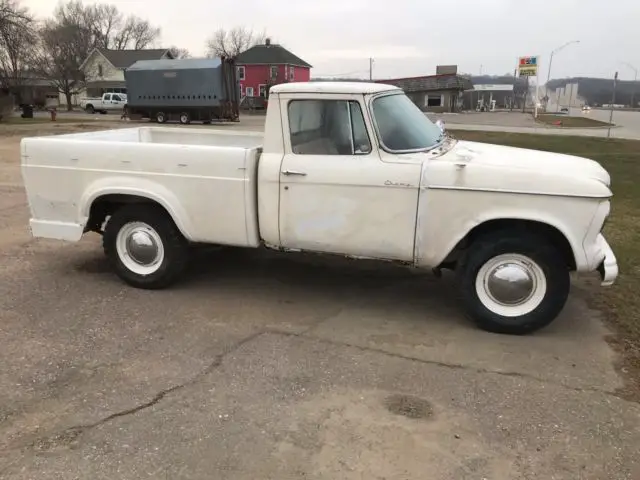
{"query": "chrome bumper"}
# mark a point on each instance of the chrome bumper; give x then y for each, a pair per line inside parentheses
(608, 268)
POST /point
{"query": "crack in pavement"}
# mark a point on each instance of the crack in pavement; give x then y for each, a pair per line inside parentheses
(437, 363)
(70, 434)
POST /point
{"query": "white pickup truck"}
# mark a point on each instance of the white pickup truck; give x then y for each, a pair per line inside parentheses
(108, 101)
(353, 169)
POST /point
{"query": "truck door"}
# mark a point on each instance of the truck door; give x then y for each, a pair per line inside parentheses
(336, 194)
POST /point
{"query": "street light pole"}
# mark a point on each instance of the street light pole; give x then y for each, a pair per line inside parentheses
(546, 87)
(635, 81)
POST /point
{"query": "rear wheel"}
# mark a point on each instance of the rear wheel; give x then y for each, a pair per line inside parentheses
(513, 283)
(89, 109)
(184, 118)
(144, 246)
(161, 117)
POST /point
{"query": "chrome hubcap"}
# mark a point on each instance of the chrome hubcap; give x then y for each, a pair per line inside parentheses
(142, 247)
(510, 283)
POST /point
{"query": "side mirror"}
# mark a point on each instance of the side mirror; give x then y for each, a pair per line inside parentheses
(440, 125)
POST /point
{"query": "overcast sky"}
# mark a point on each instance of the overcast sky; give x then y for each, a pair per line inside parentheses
(411, 37)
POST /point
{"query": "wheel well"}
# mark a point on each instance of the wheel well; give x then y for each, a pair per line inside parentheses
(555, 236)
(106, 205)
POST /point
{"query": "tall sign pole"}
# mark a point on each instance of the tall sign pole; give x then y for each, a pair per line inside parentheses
(535, 105)
(528, 67)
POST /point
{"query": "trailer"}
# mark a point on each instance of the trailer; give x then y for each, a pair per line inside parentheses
(188, 89)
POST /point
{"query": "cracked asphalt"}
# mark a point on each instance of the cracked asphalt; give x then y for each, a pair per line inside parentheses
(262, 365)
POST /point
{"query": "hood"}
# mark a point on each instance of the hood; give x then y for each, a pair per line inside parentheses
(495, 167)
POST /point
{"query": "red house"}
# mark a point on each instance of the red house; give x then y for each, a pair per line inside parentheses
(262, 66)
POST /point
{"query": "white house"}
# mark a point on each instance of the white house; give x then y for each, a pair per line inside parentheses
(104, 69)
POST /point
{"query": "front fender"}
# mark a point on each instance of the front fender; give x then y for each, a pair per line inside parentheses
(140, 187)
(447, 217)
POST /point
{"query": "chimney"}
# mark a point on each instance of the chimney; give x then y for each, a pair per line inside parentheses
(267, 41)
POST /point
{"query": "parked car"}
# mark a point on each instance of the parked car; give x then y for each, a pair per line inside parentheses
(353, 169)
(108, 101)
(564, 110)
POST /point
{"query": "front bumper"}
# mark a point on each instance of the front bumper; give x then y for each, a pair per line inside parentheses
(608, 268)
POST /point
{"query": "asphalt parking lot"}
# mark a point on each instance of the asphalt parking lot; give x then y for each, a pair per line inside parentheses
(265, 365)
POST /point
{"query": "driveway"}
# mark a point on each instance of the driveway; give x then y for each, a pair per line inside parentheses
(267, 365)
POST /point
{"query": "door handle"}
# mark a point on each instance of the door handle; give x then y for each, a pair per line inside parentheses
(293, 172)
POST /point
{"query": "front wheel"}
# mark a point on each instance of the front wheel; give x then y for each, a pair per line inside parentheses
(513, 283)
(184, 118)
(144, 246)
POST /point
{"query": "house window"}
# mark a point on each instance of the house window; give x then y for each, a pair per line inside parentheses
(291, 75)
(274, 71)
(240, 73)
(249, 91)
(262, 89)
(327, 127)
(100, 73)
(433, 100)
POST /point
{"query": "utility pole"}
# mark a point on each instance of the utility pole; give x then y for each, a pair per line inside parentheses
(370, 69)
(546, 87)
(613, 101)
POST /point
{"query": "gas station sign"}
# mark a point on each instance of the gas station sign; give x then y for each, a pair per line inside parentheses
(528, 66)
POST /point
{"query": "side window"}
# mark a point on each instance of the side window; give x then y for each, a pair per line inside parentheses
(107, 97)
(327, 127)
(116, 98)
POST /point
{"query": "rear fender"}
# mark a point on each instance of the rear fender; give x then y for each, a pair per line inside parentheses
(137, 187)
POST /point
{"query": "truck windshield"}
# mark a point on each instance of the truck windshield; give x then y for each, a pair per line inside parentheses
(402, 126)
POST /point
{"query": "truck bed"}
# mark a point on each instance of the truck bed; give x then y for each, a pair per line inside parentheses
(204, 178)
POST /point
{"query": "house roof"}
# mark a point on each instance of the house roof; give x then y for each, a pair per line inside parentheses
(269, 53)
(430, 83)
(332, 87)
(126, 58)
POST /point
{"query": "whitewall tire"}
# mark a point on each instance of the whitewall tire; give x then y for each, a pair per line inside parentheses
(512, 282)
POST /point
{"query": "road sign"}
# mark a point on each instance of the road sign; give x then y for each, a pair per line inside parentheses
(528, 66)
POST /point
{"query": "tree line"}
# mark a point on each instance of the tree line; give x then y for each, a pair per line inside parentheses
(53, 49)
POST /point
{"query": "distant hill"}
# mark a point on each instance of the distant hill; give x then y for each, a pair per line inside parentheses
(598, 91)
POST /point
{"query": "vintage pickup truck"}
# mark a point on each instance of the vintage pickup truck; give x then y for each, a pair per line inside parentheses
(353, 169)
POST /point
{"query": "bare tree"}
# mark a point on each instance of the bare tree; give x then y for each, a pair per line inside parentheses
(106, 22)
(65, 42)
(177, 52)
(135, 34)
(230, 43)
(18, 39)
